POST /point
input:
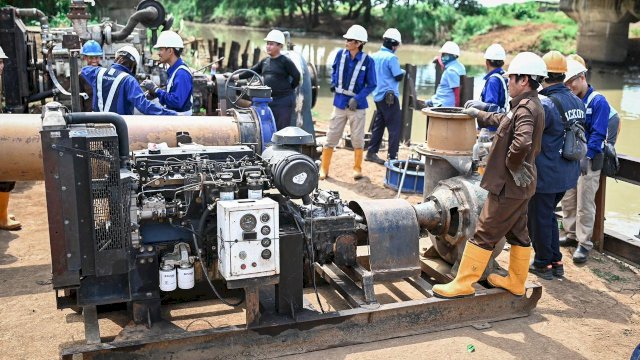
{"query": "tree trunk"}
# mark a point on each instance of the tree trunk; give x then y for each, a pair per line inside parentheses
(316, 13)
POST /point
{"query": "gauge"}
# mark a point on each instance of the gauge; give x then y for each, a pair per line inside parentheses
(266, 242)
(248, 222)
(266, 254)
(265, 217)
(265, 230)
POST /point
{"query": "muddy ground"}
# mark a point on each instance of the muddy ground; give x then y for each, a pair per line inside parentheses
(593, 313)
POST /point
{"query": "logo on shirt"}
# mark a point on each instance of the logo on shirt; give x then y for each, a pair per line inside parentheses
(574, 114)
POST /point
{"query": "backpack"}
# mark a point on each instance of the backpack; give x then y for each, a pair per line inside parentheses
(611, 164)
(575, 142)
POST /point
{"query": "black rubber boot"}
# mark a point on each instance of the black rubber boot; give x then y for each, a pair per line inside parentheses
(565, 241)
(557, 268)
(581, 255)
(373, 158)
(544, 272)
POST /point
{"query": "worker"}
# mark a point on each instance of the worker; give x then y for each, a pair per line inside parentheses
(178, 95)
(281, 75)
(386, 96)
(448, 91)
(578, 204)
(555, 174)
(115, 88)
(7, 221)
(301, 116)
(510, 179)
(494, 96)
(353, 78)
(91, 54)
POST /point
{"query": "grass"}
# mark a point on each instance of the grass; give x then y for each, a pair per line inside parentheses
(608, 276)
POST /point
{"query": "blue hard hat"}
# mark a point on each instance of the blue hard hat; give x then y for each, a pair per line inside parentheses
(92, 48)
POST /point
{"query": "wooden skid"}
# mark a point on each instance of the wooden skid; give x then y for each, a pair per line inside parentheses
(276, 336)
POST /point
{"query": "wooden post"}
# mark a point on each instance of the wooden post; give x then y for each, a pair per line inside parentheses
(408, 103)
(245, 55)
(232, 64)
(256, 56)
(210, 49)
(598, 226)
(252, 304)
(466, 89)
(221, 51)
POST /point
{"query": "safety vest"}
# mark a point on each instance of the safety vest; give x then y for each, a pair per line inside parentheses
(612, 111)
(352, 84)
(170, 83)
(102, 104)
(505, 106)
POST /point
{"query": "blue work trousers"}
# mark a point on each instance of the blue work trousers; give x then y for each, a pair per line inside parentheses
(282, 108)
(388, 116)
(543, 228)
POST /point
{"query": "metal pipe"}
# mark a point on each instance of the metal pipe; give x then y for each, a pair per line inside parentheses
(21, 147)
(33, 12)
(106, 118)
(146, 14)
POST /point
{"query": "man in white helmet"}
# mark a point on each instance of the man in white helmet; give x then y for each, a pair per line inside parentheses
(115, 88)
(353, 79)
(386, 96)
(177, 95)
(510, 179)
(494, 96)
(281, 75)
(448, 91)
(7, 221)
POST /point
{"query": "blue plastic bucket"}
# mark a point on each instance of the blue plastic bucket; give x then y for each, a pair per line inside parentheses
(413, 181)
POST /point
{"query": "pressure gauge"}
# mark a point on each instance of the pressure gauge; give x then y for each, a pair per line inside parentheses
(248, 222)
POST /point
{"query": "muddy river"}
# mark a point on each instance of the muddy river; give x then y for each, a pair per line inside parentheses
(620, 86)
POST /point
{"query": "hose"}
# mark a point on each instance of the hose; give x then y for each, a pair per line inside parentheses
(146, 14)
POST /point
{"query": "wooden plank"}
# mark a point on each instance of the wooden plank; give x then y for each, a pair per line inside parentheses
(252, 305)
(622, 246)
(421, 285)
(598, 225)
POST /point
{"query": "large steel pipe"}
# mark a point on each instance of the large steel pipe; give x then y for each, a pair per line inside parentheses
(21, 148)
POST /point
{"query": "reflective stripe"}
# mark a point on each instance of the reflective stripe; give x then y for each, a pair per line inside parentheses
(354, 76)
(505, 106)
(112, 90)
(170, 83)
(612, 112)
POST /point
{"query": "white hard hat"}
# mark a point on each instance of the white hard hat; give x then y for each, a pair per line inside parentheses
(2, 54)
(169, 39)
(527, 63)
(450, 48)
(393, 34)
(276, 36)
(574, 68)
(495, 52)
(356, 32)
(130, 52)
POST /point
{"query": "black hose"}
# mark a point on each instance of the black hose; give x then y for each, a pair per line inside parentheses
(42, 95)
(146, 14)
(200, 234)
(106, 118)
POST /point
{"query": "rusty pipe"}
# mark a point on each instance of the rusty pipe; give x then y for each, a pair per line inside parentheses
(21, 147)
(428, 214)
(146, 14)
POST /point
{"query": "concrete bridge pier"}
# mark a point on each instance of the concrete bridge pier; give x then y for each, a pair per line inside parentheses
(603, 33)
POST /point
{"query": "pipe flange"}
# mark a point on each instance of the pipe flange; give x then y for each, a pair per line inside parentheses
(159, 20)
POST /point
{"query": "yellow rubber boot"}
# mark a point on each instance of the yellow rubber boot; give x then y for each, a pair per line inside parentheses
(325, 162)
(358, 155)
(6, 222)
(474, 261)
(518, 270)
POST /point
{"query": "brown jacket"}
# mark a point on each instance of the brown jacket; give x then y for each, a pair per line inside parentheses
(517, 140)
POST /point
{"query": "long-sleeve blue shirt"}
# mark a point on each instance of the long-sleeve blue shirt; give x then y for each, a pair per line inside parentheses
(127, 96)
(597, 121)
(178, 98)
(365, 82)
(387, 68)
(450, 80)
(493, 93)
(556, 174)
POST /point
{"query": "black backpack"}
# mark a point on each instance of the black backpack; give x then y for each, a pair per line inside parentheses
(575, 142)
(611, 164)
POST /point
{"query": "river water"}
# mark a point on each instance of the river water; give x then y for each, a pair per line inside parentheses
(620, 86)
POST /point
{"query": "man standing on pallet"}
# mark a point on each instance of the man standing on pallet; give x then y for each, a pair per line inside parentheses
(510, 179)
(353, 79)
(386, 95)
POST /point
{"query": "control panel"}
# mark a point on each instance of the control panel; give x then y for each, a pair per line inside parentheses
(248, 238)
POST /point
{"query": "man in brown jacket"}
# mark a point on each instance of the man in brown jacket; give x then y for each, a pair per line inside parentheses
(510, 178)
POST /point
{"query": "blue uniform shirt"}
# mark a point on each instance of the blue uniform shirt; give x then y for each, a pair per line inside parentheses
(596, 124)
(365, 83)
(179, 96)
(555, 173)
(450, 80)
(387, 68)
(493, 92)
(128, 94)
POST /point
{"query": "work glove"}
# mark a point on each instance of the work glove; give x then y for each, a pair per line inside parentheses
(150, 86)
(471, 111)
(584, 165)
(353, 104)
(420, 104)
(523, 176)
(332, 89)
(389, 98)
(480, 105)
(428, 103)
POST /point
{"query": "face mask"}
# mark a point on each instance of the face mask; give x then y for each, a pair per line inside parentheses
(447, 58)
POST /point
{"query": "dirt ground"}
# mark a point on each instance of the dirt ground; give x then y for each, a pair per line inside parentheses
(593, 313)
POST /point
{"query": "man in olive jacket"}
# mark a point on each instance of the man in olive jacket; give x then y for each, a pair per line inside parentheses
(510, 179)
